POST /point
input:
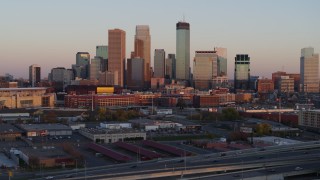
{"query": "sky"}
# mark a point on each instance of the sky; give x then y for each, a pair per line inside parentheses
(50, 33)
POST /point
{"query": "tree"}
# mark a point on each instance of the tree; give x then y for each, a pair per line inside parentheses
(34, 161)
(102, 114)
(181, 103)
(263, 129)
(230, 114)
(68, 148)
(50, 117)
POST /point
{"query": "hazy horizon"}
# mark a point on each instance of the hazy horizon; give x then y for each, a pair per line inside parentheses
(50, 33)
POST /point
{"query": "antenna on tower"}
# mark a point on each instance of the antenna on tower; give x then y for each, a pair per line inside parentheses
(183, 18)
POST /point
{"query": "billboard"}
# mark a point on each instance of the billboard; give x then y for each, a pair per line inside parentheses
(105, 90)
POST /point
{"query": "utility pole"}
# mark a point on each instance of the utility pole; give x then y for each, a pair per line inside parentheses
(185, 161)
(85, 170)
(279, 111)
(77, 167)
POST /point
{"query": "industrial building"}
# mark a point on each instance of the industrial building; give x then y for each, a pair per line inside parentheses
(32, 130)
(114, 125)
(9, 132)
(111, 136)
(47, 156)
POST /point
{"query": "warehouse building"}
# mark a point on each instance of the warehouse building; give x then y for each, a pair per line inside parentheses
(9, 132)
(32, 130)
(111, 136)
(47, 156)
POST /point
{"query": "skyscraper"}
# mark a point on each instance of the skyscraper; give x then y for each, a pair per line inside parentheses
(34, 75)
(102, 51)
(159, 63)
(222, 60)
(309, 70)
(205, 69)
(61, 76)
(183, 51)
(135, 74)
(242, 72)
(96, 67)
(117, 55)
(81, 68)
(142, 49)
(171, 66)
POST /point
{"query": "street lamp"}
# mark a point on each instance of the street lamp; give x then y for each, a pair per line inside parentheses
(185, 160)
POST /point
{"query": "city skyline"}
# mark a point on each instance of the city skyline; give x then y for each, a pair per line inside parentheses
(272, 38)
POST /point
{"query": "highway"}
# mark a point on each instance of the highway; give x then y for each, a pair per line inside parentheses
(239, 160)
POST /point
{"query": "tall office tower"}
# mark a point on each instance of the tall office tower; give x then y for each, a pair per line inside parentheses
(135, 74)
(34, 74)
(81, 68)
(159, 63)
(183, 51)
(102, 51)
(222, 60)
(242, 72)
(117, 55)
(96, 67)
(171, 66)
(309, 70)
(205, 69)
(142, 49)
(61, 76)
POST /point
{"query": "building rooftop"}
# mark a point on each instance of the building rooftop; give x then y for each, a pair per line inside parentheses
(109, 131)
(39, 127)
(8, 128)
(44, 152)
(23, 89)
(17, 115)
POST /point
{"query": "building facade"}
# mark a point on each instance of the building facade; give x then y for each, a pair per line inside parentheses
(117, 55)
(222, 61)
(13, 98)
(183, 51)
(142, 49)
(242, 72)
(220, 82)
(265, 86)
(34, 75)
(96, 67)
(61, 75)
(102, 51)
(276, 76)
(135, 74)
(81, 67)
(159, 63)
(112, 136)
(171, 66)
(286, 84)
(205, 69)
(310, 119)
(309, 70)
(99, 100)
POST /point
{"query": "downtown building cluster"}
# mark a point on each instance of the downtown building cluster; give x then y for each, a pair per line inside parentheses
(110, 67)
(171, 75)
